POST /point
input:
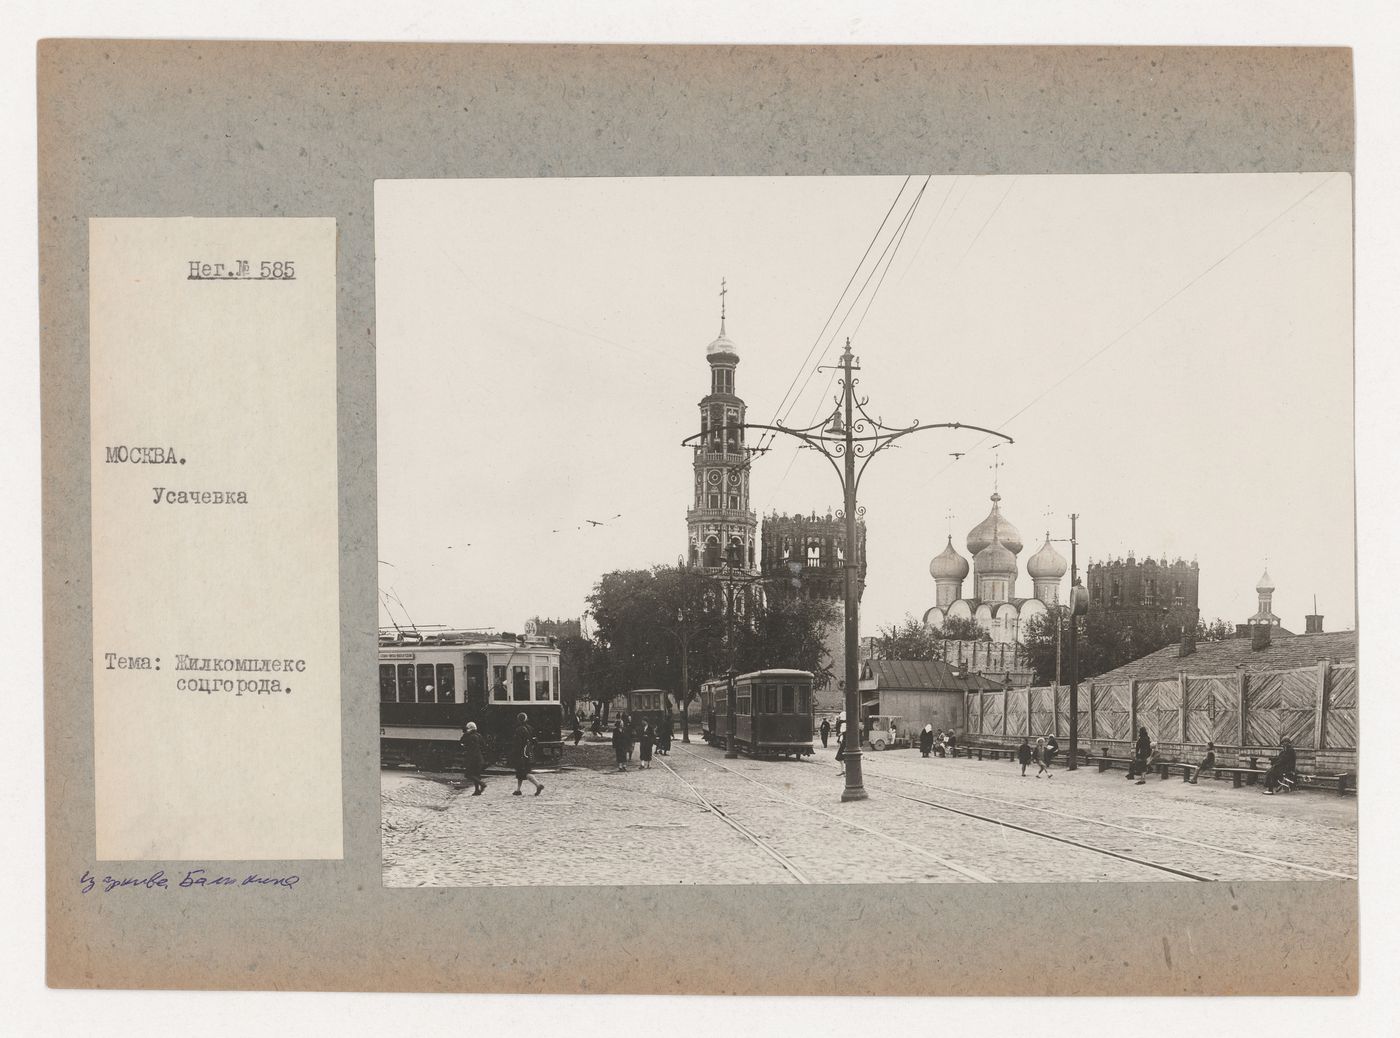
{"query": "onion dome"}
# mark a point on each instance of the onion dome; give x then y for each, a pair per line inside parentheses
(948, 564)
(995, 560)
(994, 527)
(1046, 564)
(1265, 583)
(722, 349)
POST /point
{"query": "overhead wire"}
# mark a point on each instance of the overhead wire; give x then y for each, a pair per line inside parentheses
(1141, 320)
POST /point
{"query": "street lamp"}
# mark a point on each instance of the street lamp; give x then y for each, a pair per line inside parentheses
(849, 433)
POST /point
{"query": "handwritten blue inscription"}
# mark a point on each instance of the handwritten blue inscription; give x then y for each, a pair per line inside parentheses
(192, 879)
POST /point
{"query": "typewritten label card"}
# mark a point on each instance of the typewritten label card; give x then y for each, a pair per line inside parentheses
(216, 667)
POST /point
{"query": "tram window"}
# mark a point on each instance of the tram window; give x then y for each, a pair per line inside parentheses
(789, 700)
(542, 684)
(743, 706)
(804, 696)
(427, 691)
(446, 683)
(770, 699)
(555, 686)
(520, 683)
(406, 684)
(388, 687)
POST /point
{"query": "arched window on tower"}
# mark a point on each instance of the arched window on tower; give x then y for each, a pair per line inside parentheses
(712, 553)
(736, 553)
(814, 553)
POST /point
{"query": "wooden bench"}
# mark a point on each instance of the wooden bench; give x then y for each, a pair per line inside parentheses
(1343, 784)
(1104, 761)
(1239, 776)
(1164, 768)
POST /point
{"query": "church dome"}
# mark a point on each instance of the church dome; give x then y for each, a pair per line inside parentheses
(994, 527)
(1265, 583)
(1047, 563)
(722, 347)
(948, 564)
(995, 560)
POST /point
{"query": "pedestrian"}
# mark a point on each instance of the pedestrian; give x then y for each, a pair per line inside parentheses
(1142, 750)
(894, 733)
(952, 743)
(926, 740)
(619, 742)
(629, 733)
(1207, 763)
(522, 751)
(1023, 754)
(647, 741)
(475, 761)
(825, 730)
(1052, 747)
(663, 738)
(1282, 768)
(578, 731)
(940, 743)
(841, 754)
(1042, 758)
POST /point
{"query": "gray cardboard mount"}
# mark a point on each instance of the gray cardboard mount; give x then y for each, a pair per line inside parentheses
(142, 128)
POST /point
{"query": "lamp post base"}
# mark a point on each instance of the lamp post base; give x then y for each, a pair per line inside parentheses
(854, 793)
(855, 778)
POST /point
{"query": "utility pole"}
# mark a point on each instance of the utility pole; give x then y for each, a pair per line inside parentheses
(1073, 642)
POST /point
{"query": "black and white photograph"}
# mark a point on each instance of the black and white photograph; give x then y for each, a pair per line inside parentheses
(881, 530)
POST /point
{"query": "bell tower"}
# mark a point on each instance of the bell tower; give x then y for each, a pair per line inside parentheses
(720, 526)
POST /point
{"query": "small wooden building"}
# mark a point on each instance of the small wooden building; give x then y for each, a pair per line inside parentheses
(920, 691)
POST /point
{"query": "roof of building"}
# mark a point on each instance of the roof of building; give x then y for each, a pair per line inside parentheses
(1235, 655)
(922, 675)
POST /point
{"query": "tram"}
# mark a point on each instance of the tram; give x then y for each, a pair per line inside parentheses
(431, 683)
(773, 716)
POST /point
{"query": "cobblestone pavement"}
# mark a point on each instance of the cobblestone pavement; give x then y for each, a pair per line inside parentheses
(695, 817)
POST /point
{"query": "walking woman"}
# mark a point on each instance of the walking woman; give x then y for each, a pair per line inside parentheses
(619, 741)
(647, 741)
(1023, 756)
(663, 738)
(475, 760)
(926, 740)
(1141, 751)
(522, 746)
(1042, 758)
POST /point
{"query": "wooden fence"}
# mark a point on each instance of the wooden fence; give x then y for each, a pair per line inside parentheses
(1314, 706)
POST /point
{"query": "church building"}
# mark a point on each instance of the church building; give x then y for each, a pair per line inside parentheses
(994, 545)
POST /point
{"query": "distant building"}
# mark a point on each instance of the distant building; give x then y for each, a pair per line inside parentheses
(921, 692)
(1239, 655)
(1264, 615)
(1151, 589)
(557, 629)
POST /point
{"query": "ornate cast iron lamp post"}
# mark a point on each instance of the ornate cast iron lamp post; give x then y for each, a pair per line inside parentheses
(850, 433)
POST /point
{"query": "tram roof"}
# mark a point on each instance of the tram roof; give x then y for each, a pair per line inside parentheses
(775, 673)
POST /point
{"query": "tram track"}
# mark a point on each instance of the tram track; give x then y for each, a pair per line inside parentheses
(782, 859)
(1101, 823)
(962, 870)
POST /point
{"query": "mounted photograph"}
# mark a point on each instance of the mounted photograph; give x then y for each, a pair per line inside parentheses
(853, 530)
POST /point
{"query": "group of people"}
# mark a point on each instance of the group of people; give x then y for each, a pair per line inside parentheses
(1043, 755)
(939, 743)
(522, 756)
(646, 740)
(1282, 771)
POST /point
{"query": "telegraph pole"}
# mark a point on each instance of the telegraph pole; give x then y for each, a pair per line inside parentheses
(1073, 642)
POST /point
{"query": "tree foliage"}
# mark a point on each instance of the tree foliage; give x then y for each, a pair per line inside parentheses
(1106, 640)
(645, 620)
(912, 639)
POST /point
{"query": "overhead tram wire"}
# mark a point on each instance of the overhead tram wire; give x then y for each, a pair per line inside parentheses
(837, 306)
(891, 250)
(1142, 320)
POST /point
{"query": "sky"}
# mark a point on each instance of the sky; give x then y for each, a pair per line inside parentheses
(1171, 354)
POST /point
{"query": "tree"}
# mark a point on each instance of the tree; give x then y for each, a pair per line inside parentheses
(1107, 640)
(1218, 630)
(963, 629)
(909, 640)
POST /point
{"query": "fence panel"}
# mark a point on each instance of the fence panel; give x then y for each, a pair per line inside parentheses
(1016, 711)
(1217, 700)
(1341, 710)
(1261, 726)
(1111, 711)
(1159, 709)
(991, 713)
(1298, 705)
(1042, 710)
